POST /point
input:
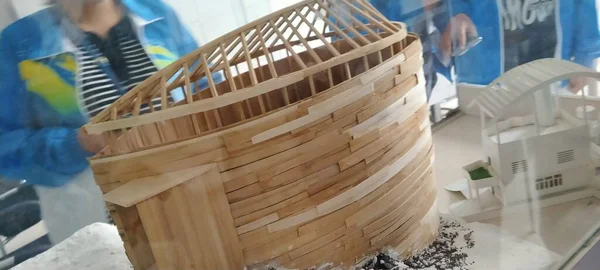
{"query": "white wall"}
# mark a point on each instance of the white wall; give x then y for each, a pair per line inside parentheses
(206, 19)
(7, 14)
(209, 19)
(25, 7)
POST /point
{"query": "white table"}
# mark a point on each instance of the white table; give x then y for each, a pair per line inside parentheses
(560, 228)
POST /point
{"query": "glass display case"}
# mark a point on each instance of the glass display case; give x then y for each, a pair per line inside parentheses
(299, 134)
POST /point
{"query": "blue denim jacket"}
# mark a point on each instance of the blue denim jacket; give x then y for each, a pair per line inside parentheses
(578, 35)
(39, 110)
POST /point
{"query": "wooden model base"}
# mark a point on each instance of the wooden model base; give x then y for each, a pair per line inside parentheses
(332, 165)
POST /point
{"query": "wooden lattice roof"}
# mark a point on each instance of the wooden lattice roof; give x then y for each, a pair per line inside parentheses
(299, 28)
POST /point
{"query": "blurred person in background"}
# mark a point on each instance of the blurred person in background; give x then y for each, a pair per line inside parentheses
(421, 17)
(58, 68)
(515, 32)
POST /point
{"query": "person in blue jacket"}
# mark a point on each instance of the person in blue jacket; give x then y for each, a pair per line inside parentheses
(419, 16)
(61, 66)
(515, 32)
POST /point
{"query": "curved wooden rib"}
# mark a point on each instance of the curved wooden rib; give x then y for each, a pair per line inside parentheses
(250, 50)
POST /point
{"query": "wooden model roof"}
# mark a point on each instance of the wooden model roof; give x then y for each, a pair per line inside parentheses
(526, 79)
(355, 21)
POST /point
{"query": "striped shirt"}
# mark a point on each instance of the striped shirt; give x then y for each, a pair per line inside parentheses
(128, 60)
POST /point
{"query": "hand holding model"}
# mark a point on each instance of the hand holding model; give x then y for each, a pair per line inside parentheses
(460, 28)
(92, 143)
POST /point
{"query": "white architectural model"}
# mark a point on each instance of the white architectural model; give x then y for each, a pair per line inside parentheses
(533, 148)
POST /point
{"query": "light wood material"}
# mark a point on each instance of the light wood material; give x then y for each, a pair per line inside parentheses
(142, 189)
(321, 156)
(186, 239)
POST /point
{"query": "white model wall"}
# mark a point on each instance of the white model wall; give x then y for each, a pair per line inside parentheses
(545, 149)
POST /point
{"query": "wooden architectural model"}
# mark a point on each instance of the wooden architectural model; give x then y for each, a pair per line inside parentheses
(314, 149)
(534, 150)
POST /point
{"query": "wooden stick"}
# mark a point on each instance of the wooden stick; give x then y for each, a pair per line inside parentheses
(112, 142)
(279, 47)
(177, 81)
(230, 46)
(342, 33)
(161, 134)
(330, 47)
(243, 40)
(211, 85)
(169, 71)
(289, 61)
(251, 71)
(378, 14)
(255, 46)
(200, 106)
(138, 104)
(205, 114)
(189, 98)
(164, 101)
(213, 56)
(276, 29)
(289, 48)
(260, 98)
(324, 23)
(154, 90)
(330, 78)
(237, 57)
(363, 26)
(232, 85)
(268, 56)
(338, 30)
(371, 19)
(246, 54)
(113, 116)
(262, 78)
(311, 82)
(310, 50)
(244, 86)
(311, 29)
(321, 37)
(345, 24)
(365, 63)
(272, 69)
(348, 72)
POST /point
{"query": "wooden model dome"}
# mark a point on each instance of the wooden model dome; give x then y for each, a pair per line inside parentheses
(315, 148)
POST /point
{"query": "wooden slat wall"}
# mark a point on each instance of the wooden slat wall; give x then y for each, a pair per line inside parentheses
(347, 183)
(189, 226)
(154, 135)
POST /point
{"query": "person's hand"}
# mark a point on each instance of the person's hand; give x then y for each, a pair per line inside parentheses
(460, 29)
(92, 143)
(576, 84)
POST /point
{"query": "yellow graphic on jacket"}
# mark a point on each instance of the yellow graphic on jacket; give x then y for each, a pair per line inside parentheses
(162, 57)
(53, 79)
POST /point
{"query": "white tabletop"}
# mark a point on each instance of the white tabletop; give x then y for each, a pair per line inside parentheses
(96, 247)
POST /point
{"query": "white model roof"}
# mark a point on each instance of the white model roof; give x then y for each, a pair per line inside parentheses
(525, 80)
